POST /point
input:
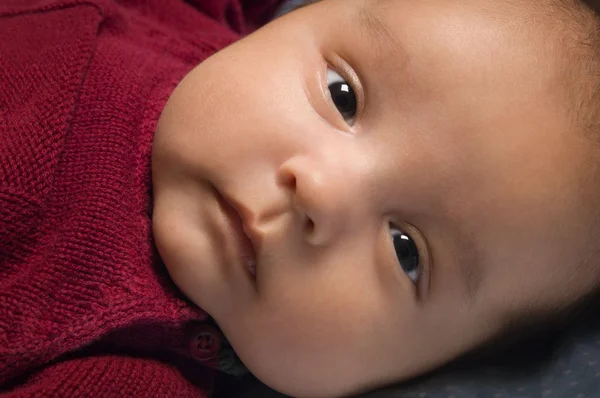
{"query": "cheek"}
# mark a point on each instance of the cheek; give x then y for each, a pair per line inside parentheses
(293, 342)
(317, 319)
(238, 111)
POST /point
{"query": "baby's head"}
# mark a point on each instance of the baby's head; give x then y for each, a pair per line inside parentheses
(413, 175)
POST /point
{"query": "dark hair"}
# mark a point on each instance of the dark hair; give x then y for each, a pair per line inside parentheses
(533, 330)
(583, 52)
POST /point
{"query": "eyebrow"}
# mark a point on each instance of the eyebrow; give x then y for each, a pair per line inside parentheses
(370, 20)
(469, 264)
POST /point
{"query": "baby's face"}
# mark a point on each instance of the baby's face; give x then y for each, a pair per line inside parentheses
(390, 235)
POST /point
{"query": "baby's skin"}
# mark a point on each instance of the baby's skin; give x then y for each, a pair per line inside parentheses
(364, 190)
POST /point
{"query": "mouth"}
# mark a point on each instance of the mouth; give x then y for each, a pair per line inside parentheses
(244, 243)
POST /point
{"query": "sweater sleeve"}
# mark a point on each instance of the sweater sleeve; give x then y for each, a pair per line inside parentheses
(113, 376)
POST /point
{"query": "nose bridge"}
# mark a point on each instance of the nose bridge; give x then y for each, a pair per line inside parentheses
(326, 186)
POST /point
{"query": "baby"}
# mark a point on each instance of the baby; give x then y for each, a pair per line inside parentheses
(364, 190)
(357, 193)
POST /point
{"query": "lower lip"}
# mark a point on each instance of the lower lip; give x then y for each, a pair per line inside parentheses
(246, 248)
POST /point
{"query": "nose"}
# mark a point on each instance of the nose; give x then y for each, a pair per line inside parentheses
(322, 194)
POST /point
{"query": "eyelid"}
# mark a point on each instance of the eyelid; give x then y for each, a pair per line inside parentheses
(342, 67)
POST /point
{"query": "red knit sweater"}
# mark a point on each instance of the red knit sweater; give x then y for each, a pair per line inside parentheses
(86, 307)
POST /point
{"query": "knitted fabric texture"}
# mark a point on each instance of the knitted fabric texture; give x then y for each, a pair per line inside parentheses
(86, 307)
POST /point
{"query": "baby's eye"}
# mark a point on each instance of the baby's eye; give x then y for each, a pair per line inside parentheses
(407, 253)
(342, 95)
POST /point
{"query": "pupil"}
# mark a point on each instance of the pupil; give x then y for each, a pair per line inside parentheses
(407, 252)
(343, 98)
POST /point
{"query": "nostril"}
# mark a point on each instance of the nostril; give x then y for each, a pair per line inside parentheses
(288, 180)
(309, 226)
